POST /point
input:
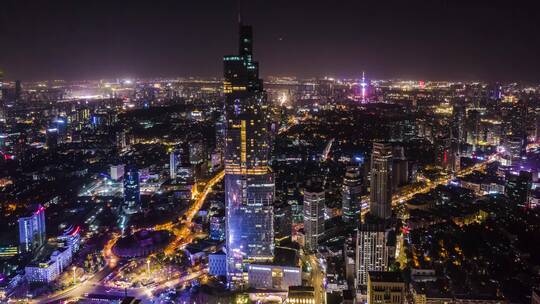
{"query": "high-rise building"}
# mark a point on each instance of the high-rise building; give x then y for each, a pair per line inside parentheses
(380, 204)
(173, 163)
(518, 187)
(371, 251)
(132, 191)
(32, 233)
(18, 90)
(313, 215)
(249, 182)
(52, 139)
(351, 193)
(514, 148)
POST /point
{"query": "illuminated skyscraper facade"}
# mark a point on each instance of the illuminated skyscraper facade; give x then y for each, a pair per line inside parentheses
(351, 193)
(249, 182)
(132, 191)
(32, 233)
(380, 204)
(313, 216)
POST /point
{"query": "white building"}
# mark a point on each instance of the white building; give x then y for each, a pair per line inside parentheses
(117, 171)
(49, 271)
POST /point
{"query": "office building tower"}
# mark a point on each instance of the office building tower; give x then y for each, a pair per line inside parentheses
(514, 148)
(313, 215)
(385, 287)
(380, 204)
(351, 193)
(18, 90)
(518, 187)
(249, 182)
(32, 233)
(371, 251)
(283, 221)
(132, 191)
(117, 172)
(52, 139)
(173, 163)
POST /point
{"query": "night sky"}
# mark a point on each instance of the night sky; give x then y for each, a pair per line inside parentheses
(432, 39)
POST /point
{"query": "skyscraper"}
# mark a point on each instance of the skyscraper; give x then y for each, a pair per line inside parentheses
(32, 233)
(249, 182)
(313, 215)
(132, 191)
(351, 192)
(371, 251)
(380, 204)
(518, 187)
(173, 163)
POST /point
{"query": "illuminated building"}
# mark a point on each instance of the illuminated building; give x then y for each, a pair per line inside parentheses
(381, 181)
(71, 238)
(313, 215)
(32, 234)
(371, 251)
(518, 187)
(273, 277)
(197, 152)
(132, 191)
(217, 227)
(52, 139)
(385, 288)
(46, 272)
(117, 172)
(8, 251)
(514, 147)
(249, 182)
(217, 264)
(351, 192)
(301, 295)
(173, 163)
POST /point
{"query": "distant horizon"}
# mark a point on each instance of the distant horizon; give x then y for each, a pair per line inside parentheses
(265, 77)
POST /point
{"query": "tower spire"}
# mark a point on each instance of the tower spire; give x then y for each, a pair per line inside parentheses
(239, 8)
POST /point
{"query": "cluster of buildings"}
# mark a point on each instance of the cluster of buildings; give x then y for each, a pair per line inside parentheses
(49, 258)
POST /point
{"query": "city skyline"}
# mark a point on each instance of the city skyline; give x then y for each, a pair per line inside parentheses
(238, 190)
(439, 40)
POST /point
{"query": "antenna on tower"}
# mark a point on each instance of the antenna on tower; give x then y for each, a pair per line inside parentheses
(239, 8)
